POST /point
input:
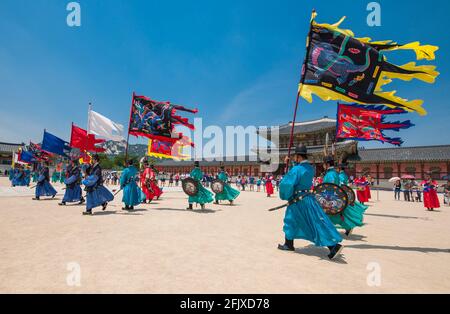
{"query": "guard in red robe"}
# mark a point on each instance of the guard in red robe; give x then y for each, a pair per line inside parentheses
(430, 197)
(361, 185)
(269, 186)
(367, 190)
(149, 184)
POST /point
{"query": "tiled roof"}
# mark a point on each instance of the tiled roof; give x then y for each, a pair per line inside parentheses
(9, 147)
(235, 161)
(308, 126)
(422, 153)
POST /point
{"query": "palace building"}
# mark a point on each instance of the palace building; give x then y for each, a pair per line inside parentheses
(319, 136)
(7, 151)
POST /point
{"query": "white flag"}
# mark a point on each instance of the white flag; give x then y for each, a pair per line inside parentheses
(105, 128)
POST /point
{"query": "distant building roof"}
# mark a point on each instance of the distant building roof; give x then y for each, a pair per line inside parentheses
(413, 154)
(9, 147)
(308, 126)
(235, 161)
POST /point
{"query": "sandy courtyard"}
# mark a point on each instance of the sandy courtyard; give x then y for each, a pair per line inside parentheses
(161, 248)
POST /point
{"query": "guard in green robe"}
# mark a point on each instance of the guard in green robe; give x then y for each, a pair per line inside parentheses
(228, 194)
(132, 194)
(352, 216)
(203, 196)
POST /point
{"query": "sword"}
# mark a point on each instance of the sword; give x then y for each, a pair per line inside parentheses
(118, 192)
(293, 201)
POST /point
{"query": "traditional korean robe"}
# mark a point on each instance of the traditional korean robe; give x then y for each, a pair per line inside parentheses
(132, 194)
(203, 196)
(228, 194)
(73, 189)
(44, 188)
(97, 194)
(305, 219)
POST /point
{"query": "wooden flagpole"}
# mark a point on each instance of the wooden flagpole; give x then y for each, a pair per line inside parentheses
(129, 124)
(302, 80)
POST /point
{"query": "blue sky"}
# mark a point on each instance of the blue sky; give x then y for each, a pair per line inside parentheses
(238, 61)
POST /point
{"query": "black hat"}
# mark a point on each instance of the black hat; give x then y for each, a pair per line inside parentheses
(301, 150)
(328, 159)
(197, 163)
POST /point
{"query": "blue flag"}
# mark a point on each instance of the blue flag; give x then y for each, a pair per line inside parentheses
(54, 144)
(27, 157)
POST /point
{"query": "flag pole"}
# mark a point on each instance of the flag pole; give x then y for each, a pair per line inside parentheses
(89, 118)
(129, 124)
(302, 80)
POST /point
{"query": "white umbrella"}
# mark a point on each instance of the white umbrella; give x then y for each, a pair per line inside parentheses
(394, 179)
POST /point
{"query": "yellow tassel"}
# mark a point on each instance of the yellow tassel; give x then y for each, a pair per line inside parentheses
(307, 91)
(426, 52)
(428, 73)
(335, 27)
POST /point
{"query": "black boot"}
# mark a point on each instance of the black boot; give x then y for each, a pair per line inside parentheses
(190, 207)
(287, 246)
(104, 205)
(334, 251)
(87, 213)
(216, 202)
(348, 232)
(202, 206)
(81, 202)
(62, 203)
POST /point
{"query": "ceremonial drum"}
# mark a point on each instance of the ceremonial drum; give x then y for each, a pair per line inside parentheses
(350, 193)
(332, 198)
(190, 186)
(217, 186)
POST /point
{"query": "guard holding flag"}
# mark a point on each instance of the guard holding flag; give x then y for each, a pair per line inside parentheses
(97, 194)
(304, 218)
(73, 181)
(43, 187)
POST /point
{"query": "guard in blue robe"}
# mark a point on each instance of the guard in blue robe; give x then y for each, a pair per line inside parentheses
(228, 194)
(11, 174)
(27, 180)
(73, 193)
(305, 218)
(97, 194)
(132, 194)
(352, 216)
(43, 187)
(19, 177)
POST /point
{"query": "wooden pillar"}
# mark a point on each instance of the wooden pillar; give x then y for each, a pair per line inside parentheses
(422, 170)
(378, 174)
(399, 169)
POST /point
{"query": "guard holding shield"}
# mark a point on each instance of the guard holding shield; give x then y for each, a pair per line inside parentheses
(352, 216)
(73, 181)
(224, 192)
(304, 218)
(194, 188)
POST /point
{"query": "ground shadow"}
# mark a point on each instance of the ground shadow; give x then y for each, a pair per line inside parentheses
(355, 237)
(104, 213)
(397, 248)
(195, 211)
(396, 216)
(321, 253)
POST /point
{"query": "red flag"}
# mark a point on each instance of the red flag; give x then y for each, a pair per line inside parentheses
(83, 141)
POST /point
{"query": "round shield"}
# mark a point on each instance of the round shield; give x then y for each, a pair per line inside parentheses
(190, 186)
(331, 198)
(350, 193)
(217, 186)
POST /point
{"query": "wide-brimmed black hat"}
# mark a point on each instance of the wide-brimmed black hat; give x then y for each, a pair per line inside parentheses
(197, 163)
(328, 159)
(301, 150)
